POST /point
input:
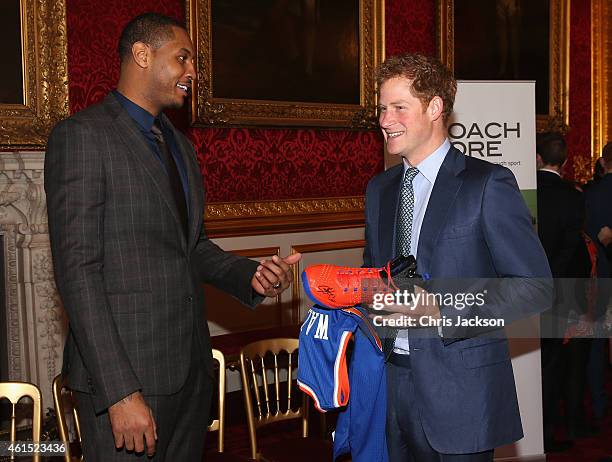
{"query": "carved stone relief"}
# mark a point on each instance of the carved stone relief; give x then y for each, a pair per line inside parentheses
(35, 321)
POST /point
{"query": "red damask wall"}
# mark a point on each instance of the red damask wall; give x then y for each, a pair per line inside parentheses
(258, 164)
(579, 136)
(410, 26)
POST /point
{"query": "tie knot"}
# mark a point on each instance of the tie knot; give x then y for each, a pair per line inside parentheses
(156, 130)
(410, 173)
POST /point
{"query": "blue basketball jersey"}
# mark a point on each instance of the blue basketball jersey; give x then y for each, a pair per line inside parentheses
(359, 389)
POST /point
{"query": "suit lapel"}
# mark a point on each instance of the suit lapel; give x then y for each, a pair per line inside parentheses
(442, 199)
(130, 134)
(388, 212)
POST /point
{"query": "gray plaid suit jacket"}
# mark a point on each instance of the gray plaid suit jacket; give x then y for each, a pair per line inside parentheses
(129, 279)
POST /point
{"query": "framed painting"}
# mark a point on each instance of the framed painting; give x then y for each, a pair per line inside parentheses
(511, 40)
(286, 62)
(34, 84)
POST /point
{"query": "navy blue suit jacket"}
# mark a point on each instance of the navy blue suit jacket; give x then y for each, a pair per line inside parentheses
(599, 214)
(476, 226)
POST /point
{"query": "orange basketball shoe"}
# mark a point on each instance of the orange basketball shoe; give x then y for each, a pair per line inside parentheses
(333, 286)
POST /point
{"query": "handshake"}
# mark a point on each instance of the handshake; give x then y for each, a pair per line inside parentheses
(335, 287)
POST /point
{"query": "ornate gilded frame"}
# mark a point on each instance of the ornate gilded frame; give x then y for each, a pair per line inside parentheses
(45, 81)
(208, 110)
(601, 76)
(558, 110)
(225, 219)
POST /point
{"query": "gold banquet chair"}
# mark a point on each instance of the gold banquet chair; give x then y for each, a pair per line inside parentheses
(268, 399)
(218, 424)
(14, 391)
(61, 395)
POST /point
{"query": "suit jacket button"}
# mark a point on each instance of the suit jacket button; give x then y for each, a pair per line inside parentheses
(190, 299)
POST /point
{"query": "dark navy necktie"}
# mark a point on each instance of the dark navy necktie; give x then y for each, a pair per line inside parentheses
(173, 174)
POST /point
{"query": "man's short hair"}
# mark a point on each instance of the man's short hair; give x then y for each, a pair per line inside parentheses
(154, 29)
(552, 148)
(606, 155)
(428, 75)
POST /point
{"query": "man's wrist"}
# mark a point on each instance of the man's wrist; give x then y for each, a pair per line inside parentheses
(126, 399)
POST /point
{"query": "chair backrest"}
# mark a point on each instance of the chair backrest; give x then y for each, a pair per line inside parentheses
(14, 391)
(60, 395)
(268, 398)
(219, 423)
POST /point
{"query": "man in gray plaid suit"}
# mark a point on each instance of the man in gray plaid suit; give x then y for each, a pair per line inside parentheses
(125, 203)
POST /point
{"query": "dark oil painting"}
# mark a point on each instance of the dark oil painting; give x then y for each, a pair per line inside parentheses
(504, 40)
(11, 78)
(286, 50)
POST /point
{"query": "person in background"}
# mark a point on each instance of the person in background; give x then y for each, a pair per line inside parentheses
(561, 218)
(599, 217)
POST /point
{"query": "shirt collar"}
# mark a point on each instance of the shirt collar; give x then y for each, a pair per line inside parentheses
(142, 117)
(430, 166)
(551, 171)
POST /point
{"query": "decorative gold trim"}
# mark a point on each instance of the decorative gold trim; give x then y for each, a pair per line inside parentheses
(601, 78)
(559, 55)
(607, 84)
(207, 110)
(45, 77)
(227, 210)
(312, 248)
(381, 33)
(558, 112)
(583, 168)
(596, 75)
(225, 219)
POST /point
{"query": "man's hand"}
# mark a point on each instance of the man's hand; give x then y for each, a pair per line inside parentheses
(133, 424)
(605, 236)
(421, 306)
(273, 276)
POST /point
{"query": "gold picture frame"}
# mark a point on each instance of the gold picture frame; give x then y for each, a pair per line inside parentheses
(601, 78)
(27, 124)
(230, 100)
(557, 85)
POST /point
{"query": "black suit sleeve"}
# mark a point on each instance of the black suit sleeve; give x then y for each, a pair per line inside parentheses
(228, 272)
(563, 263)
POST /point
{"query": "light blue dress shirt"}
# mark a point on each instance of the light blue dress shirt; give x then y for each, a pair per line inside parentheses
(422, 185)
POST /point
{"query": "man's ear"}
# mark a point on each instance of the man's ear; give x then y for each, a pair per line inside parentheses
(602, 163)
(141, 53)
(435, 108)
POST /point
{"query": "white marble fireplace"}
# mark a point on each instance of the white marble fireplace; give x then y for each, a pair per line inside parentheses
(34, 325)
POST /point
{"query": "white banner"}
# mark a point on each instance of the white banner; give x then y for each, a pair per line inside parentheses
(495, 121)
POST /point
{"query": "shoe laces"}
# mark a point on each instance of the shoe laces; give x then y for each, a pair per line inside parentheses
(365, 282)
